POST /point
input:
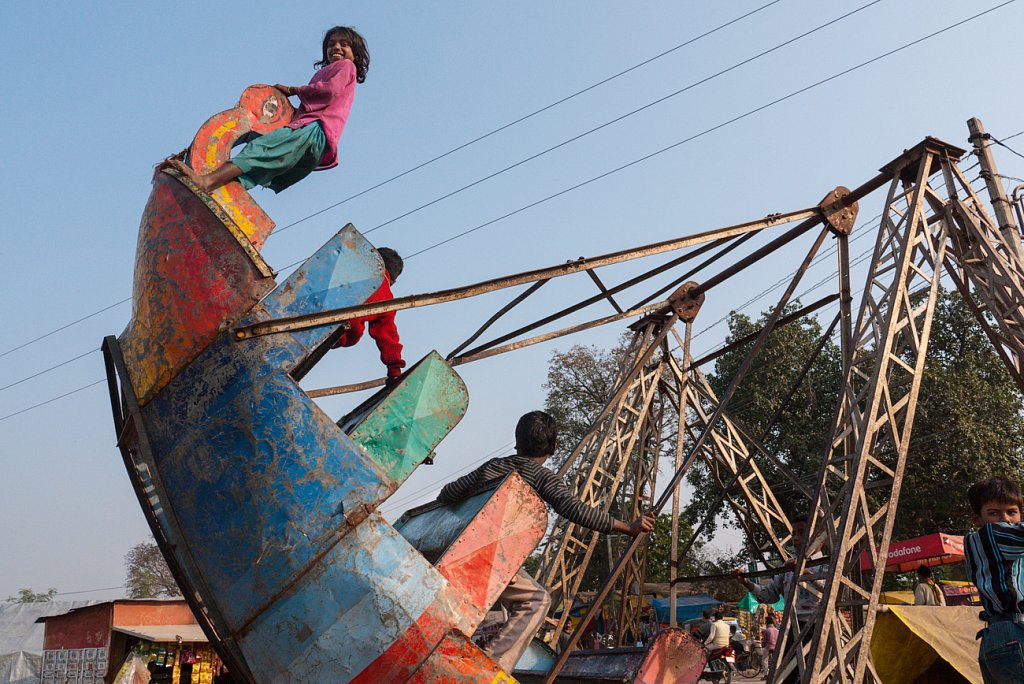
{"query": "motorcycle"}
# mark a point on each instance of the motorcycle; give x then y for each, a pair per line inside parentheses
(720, 665)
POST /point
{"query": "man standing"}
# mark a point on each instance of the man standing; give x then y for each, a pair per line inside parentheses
(769, 640)
(926, 591)
(525, 600)
(805, 605)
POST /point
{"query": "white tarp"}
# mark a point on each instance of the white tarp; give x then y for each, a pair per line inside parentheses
(21, 638)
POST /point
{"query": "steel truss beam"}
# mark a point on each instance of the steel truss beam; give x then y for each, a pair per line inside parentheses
(728, 457)
(634, 498)
(603, 456)
(987, 270)
(859, 483)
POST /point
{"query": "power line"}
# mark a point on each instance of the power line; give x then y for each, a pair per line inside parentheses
(66, 325)
(391, 506)
(751, 112)
(634, 162)
(89, 591)
(50, 401)
(530, 115)
(59, 365)
(622, 117)
(1002, 144)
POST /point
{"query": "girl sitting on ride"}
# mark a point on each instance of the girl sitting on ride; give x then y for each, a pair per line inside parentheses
(310, 142)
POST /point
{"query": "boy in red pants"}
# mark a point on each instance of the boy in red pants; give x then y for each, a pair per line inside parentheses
(382, 326)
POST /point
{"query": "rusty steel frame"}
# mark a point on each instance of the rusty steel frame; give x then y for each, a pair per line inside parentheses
(859, 482)
(676, 480)
(987, 271)
(636, 497)
(294, 323)
(737, 476)
(603, 456)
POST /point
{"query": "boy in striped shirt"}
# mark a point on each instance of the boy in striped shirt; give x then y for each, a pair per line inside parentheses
(995, 563)
(524, 598)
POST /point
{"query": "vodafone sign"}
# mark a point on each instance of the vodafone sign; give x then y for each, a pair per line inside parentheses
(933, 549)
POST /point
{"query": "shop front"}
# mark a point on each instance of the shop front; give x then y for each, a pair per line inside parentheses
(92, 645)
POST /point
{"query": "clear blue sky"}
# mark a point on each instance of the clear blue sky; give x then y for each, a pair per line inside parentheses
(96, 93)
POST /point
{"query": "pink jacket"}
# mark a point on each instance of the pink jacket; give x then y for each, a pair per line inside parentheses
(327, 99)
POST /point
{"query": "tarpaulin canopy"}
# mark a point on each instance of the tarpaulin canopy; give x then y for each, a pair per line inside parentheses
(687, 607)
(932, 549)
(21, 638)
(750, 603)
(933, 643)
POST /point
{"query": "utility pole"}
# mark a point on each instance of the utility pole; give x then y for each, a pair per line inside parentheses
(1000, 203)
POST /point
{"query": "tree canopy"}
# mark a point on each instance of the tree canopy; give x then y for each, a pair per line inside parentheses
(29, 596)
(148, 574)
(969, 423)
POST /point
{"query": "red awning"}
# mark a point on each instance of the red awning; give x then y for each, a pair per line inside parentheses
(933, 549)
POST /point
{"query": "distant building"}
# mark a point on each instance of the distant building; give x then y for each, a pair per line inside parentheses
(89, 645)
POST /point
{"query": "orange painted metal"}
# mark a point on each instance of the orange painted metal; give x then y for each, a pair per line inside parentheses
(492, 548)
(260, 109)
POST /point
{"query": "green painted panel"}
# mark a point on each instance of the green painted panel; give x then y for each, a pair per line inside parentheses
(401, 431)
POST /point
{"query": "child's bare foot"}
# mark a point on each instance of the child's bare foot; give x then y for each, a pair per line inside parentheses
(187, 171)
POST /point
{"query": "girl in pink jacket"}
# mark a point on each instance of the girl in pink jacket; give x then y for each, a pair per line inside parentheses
(310, 142)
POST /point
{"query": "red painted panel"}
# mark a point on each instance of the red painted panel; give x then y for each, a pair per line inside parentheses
(261, 109)
(191, 277)
(87, 627)
(674, 657)
(407, 653)
(457, 660)
(493, 546)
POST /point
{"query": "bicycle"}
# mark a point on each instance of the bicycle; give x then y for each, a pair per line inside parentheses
(750, 661)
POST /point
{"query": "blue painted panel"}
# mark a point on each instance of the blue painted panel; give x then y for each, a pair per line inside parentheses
(263, 477)
(361, 598)
(344, 272)
(432, 528)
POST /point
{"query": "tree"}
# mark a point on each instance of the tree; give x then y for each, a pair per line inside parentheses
(659, 550)
(968, 424)
(29, 596)
(148, 574)
(798, 437)
(580, 382)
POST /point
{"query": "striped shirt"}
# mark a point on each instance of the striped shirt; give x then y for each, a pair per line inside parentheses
(995, 563)
(544, 482)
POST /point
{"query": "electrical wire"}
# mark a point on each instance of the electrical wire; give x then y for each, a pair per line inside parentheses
(1002, 144)
(790, 95)
(50, 401)
(392, 506)
(47, 370)
(721, 125)
(622, 117)
(65, 326)
(531, 114)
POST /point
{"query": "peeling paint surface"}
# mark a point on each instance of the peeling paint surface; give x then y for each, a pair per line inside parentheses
(184, 256)
(260, 109)
(266, 504)
(480, 543)
(672, 657)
